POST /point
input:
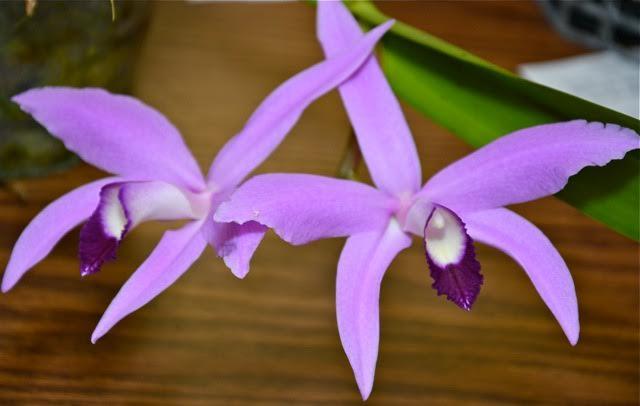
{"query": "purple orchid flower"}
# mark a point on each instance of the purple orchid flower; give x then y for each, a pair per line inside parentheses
(462, 203)
(159, 179)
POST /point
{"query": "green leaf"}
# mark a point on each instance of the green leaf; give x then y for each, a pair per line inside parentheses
(480, 102)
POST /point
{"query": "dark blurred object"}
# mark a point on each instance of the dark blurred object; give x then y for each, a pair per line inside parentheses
(70, 43)
(597, 23)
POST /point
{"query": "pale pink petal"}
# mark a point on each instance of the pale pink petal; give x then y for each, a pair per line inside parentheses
(173, 256)
(363, 262)
(49, 226)
(527, 164)
(116, 133)
(234, 243)
(525, 243)
(302, 208)
(382, 131)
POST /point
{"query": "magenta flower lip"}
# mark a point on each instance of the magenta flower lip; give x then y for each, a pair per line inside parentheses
(159, 179)
(97, 245)
(454, 268)
(462, 203)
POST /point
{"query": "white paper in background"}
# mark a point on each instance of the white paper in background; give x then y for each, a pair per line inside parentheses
(605, 78)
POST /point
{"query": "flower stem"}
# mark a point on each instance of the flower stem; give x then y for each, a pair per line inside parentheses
(351, 158)
(15, 190)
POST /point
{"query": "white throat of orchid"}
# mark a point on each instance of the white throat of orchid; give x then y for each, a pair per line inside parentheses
(442, 231)
(115, 219)
(444, 237)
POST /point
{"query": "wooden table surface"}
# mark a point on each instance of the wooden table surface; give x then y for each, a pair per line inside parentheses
(272, 338)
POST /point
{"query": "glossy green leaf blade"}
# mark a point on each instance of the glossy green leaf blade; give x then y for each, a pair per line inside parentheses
(479, 102)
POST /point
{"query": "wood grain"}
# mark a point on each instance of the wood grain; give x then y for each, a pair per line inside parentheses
(272, 338)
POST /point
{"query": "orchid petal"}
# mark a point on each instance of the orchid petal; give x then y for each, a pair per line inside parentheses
(302, 208)
(234, 243)
(176, 252)
(278, 113)
(451, 257)
(527, 164)
(382, 131)
(524, 242)
(49, 226)
(123, 206)
(363, 263)
(116, 133)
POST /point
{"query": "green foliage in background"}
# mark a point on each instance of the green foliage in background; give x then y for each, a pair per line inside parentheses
(480, 102)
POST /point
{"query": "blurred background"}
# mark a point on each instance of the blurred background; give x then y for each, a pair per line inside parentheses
(272, 338)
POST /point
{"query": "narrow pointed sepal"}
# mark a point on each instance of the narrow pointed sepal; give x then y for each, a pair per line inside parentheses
(172, 257)
(527, 245)
(451, 258)
(364, 260)
(279, 112)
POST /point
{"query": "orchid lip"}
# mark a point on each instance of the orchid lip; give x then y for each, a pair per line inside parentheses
(451, 257)
(125, 205)
(101, 235)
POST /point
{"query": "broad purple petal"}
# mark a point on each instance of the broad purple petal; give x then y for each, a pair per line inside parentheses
(302, 208)
(49, 226)
(374, 111)
(363, 262)
(116, 133)
(451, 257)
(278, 113)
(234, 243)
(527, 164)
(525, 243)
(124, 205)
(176, 252)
